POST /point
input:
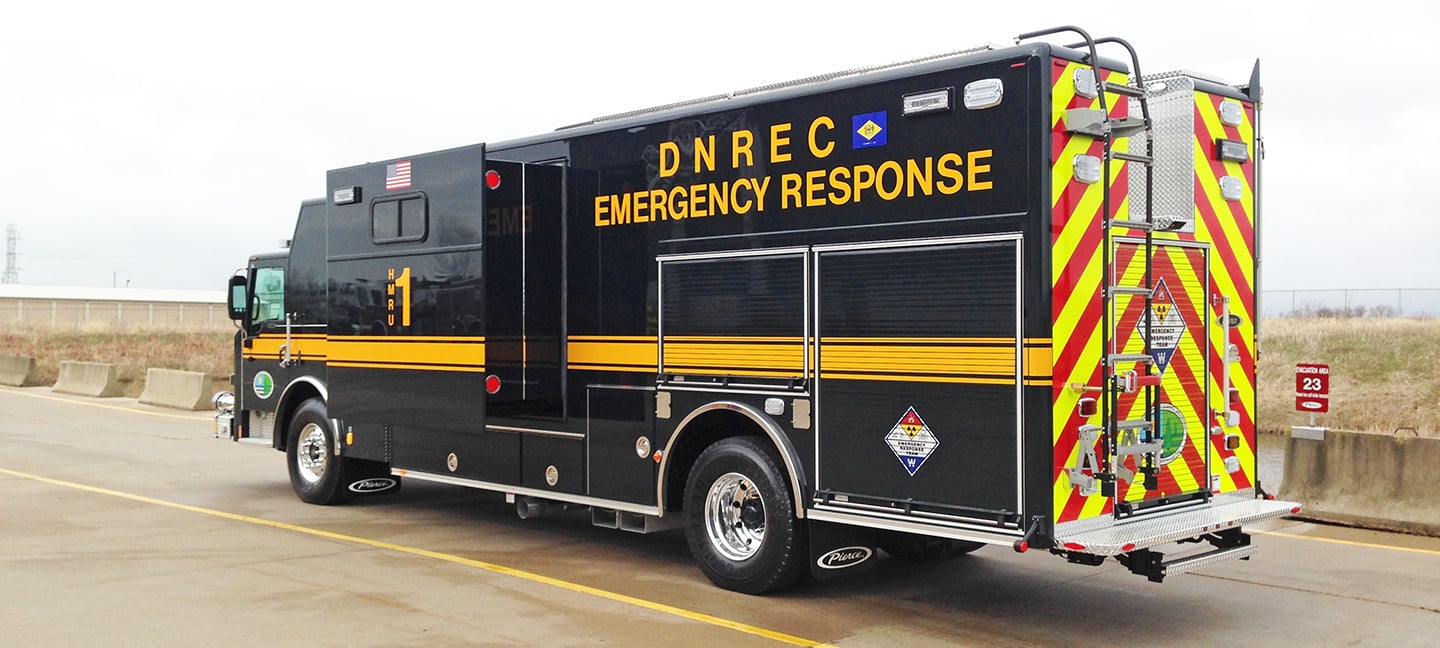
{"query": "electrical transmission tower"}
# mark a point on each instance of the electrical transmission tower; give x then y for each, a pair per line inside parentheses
(12, 271)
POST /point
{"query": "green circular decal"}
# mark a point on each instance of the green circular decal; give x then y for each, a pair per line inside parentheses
(264, 385)
(1172, 433)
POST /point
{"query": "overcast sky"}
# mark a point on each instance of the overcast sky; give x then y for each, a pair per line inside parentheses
(159, 144)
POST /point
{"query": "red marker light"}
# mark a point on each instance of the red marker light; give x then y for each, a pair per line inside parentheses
(492, 180)
(492, 383)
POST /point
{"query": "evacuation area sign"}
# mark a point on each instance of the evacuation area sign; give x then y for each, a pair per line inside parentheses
(1166, 326)
(1312, 388)
(911, 441)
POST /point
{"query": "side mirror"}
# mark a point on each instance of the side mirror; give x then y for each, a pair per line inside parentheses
(239, 298)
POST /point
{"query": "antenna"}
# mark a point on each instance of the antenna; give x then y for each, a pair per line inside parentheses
(12, 240)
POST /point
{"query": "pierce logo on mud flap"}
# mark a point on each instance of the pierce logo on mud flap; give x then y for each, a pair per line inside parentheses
(911, 441)
(844, 557)
(374, 485)
(263, 384)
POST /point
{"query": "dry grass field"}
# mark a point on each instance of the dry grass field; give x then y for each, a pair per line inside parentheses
(1384, 372)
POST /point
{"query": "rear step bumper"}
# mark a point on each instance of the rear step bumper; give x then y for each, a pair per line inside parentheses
(1146, 531)
(1191, 563)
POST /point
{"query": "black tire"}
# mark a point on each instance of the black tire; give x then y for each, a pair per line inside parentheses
(316, 474)
(909, 546)
(740, 518)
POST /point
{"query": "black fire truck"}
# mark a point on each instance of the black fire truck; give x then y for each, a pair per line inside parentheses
(997, 296)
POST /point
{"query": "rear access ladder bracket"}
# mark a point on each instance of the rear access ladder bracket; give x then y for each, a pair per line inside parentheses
(1120, 438)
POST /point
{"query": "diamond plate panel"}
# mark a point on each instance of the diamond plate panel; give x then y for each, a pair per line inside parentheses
(1172, 113)
(1158, 529)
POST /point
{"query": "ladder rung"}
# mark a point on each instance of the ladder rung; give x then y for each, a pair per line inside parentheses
(1132, 224)
(1131, 157)
(1141, 424)
(1137, 449)
(1131, 290)
(1117, 358)
(1125, 90)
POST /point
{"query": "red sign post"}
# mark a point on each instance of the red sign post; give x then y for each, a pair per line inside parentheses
(1312, 388)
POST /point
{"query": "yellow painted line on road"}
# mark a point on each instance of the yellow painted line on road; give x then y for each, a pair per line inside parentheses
(1352, 543)
(491, 567)
(191, 417)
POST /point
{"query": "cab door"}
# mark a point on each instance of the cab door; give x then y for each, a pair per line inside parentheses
(262, 372)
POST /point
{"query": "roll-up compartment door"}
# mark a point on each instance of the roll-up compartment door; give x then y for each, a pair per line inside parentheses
(918, 396)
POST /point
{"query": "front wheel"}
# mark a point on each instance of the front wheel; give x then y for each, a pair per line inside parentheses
(740, 519)
(315, 471)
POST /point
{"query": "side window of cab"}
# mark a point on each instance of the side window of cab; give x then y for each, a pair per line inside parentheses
(268, 304)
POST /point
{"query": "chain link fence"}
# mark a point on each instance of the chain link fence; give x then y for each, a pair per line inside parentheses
(1355, 302)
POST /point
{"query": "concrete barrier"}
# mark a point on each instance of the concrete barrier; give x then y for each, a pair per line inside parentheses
(1376, 481)
(88, 379)
(17, 371)
(175, 388)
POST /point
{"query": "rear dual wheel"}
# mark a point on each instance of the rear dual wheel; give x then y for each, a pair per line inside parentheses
(740, 518)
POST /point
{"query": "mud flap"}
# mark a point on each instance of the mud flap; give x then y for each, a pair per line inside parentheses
(370, 478)
(839, 550)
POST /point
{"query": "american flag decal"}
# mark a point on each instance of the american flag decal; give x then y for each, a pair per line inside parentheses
(397, 175)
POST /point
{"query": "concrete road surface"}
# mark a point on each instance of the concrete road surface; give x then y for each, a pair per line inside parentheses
(123, 524)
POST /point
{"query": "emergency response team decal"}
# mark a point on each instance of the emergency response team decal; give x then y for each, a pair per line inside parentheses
(911, 441)
(1165, 325)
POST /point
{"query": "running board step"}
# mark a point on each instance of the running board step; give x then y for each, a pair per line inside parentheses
(1191, 563)
(1131, 224)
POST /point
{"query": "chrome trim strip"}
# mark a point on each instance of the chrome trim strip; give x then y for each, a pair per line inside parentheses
(530, 492)
(954, 532)
(782, 442)
(885, 511)
(319, 386)
(733, 254)
(532, 431)
(780, 391)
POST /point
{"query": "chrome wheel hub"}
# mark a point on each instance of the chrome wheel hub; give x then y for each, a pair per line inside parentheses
(735, 516)
(312, 457)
